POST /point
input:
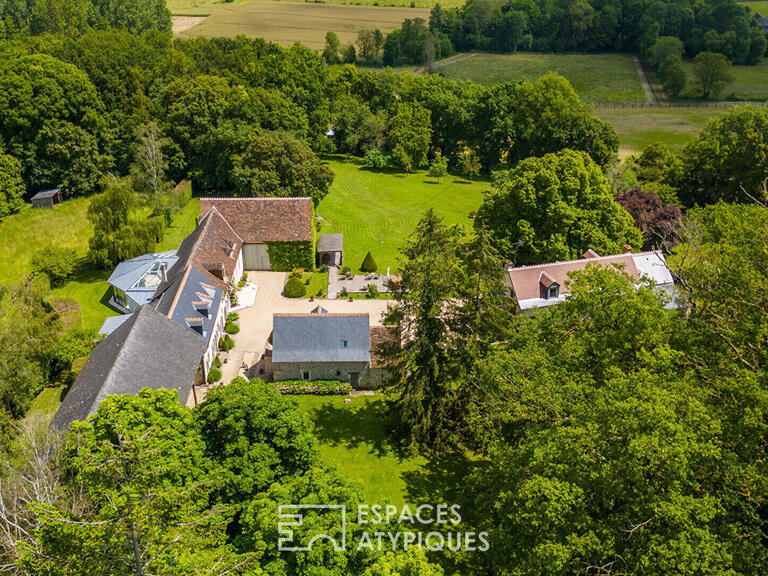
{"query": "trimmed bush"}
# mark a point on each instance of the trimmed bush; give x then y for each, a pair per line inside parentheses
(294, 288)
(231, 328)
(214, 375)
(314, 387)
(369, 264)
(226, 343)
(233, 317)
(217, 362)
(372, 292)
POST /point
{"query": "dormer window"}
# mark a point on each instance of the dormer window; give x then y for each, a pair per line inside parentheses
(554, 291)
(548, 287)
(203, 307)
(196, 324)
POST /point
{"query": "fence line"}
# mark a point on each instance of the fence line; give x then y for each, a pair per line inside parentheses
(715, 105)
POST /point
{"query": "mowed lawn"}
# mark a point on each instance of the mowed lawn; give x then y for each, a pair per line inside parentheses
(32, 229)
(595, 77)
(291, 22)
(378, 210)
(749, 83)
(639, 127)
(353, 438)
(761, 7)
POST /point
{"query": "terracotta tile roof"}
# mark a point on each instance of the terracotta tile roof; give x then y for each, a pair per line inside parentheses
(265, 219)
(525, 279)
(217, 245)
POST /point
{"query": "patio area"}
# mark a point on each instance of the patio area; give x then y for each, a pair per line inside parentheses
(356, 282)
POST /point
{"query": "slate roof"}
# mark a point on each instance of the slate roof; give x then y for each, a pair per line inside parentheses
(321, 337)
(525, 280)
(762, 21)
(113, 323)
(147, 351)
(140, 276)
(265, 219)
(330, 243)
(195, 304)
(46, 194)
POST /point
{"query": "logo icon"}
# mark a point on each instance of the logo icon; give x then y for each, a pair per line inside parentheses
(292, 515)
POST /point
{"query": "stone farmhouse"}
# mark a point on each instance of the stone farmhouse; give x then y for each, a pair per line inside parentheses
(543, 285)
(323, 346)
(176, 303)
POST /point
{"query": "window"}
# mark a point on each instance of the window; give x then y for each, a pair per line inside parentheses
(345, 344)
(554, 291)
(305, 375)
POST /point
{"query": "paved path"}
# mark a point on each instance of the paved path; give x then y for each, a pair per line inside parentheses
(649, 95)
(256, 320)
(357, 283)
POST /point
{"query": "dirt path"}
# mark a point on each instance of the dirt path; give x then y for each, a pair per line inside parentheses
(649, 96)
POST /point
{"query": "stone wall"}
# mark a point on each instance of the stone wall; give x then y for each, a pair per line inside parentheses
(368, 378)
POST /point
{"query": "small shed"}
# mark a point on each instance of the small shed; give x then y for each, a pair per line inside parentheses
(330, 249)
(47, 198)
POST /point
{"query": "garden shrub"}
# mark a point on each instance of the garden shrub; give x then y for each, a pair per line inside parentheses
(294, 288)
(372, 292)
(369, 264)
(231, 328)
(315, 387)
(226, 343)
(56, 262)
(217, 362)
(344, 270)
(233, 317)
(343, 293)
(214, 375)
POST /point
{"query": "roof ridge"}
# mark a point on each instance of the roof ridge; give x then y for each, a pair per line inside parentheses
(325, 315)
(256, 198)
(594, 259)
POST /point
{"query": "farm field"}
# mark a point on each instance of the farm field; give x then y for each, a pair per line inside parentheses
(750, 82)
(23, 234)
(291, 22)
(639, 127)
(353, 438)
(377, 210)
(595, 77)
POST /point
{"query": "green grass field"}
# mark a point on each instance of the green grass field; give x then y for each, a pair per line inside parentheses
(378, 210)
(23, 234)
(353, 438)
(750, 82)
(639, 127)
(287, 22)
(595, 77)
(761, 7)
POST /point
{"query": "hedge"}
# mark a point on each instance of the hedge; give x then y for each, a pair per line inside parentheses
(316, 387)
(294, 288)
(285, 256)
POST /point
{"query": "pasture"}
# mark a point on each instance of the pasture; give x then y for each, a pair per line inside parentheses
(639, 127)
(750, 82)
(290, 22)
(595, 77)
(377, 210)
(761, 6)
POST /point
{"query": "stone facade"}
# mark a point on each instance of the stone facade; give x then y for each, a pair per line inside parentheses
(367, 378)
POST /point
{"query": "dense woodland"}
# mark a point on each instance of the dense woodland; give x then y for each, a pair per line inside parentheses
(720, 26)
(613, 435)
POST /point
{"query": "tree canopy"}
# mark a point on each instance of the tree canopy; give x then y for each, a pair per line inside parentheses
(555, 208)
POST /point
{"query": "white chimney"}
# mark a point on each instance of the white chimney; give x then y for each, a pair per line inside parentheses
(164, 272)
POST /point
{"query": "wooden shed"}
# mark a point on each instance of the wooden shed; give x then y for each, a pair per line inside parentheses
(47, 198)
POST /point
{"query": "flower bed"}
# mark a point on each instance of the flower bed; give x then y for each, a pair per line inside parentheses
(314, 387)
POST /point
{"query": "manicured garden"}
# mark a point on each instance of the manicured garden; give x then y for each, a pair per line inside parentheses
(595, 77)
(353, 437)
(377, 210)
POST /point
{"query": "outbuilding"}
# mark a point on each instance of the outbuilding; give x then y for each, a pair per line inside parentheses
(47, 198)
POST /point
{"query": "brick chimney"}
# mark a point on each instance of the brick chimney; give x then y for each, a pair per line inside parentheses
(591, 254)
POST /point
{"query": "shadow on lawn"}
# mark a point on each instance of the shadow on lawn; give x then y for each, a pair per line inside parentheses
(443, 479)
(352, 428)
